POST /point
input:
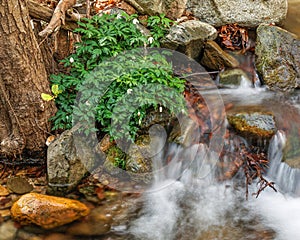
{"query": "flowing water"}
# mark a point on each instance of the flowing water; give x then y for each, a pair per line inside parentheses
(195, 206)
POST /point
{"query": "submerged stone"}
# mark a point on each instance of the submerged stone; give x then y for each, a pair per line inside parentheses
(47, 211)
(97, 223)
(277, 57)
(234, 77)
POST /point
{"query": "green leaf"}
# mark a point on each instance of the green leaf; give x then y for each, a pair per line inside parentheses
(55, 90)
(47, 97)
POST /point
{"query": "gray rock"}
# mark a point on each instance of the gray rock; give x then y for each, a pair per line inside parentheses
(69, 158)
(277, 57)
(249, 13)
(234, 77)
(172, 8)
(215, 58)
(189, 37)
(256, 127)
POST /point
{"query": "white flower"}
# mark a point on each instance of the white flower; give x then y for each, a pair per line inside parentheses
(71, 60)
(119, 16)
(139, 113)
(160, 109)
(135, 21)
(129, 91)
(150, 40)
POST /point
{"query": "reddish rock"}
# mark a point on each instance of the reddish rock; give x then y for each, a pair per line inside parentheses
(47, 211)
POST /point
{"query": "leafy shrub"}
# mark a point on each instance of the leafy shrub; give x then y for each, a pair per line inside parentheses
(103, 38)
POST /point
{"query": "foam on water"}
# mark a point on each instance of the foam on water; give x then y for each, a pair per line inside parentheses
(195, 206)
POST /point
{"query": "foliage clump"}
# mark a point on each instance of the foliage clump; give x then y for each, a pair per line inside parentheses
(112, 86)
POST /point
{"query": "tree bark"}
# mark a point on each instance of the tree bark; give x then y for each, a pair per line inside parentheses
(24, 115)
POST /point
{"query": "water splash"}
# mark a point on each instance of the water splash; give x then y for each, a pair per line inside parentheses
(287, 178)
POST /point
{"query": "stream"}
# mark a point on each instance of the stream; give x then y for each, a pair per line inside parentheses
(186, 202)
(197, 207)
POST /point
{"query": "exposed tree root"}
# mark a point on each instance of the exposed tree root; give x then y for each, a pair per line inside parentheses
(58, 17)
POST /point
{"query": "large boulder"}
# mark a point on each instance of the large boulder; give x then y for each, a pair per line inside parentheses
(249, 13)
(189, 37)
(69, 158)
(172, 8)
(47, 211)
(277, 57)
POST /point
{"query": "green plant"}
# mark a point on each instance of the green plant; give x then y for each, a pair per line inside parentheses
(120, 163)
(119, 92)
(159, 27)
(97, 67)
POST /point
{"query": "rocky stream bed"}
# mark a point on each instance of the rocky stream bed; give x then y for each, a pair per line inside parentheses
(251, 68)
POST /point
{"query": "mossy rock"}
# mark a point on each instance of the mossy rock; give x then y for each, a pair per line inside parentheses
(255, 125)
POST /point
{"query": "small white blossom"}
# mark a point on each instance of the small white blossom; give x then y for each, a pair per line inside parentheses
(129, 91)
(71, 60)
(150, 40)
(160, 109)
(139, 113)
(119, 16)
(135, 21)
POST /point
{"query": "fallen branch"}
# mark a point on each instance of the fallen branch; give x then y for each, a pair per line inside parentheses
(41, 12)
(58, 17)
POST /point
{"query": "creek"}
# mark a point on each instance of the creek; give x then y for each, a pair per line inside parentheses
(198, 207)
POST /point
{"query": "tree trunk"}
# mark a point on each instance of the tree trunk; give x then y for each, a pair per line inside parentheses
(24, 115)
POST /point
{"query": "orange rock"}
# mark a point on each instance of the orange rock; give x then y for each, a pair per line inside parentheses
(47, 211)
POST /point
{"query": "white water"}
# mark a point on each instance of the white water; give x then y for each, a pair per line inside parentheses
(199, 208)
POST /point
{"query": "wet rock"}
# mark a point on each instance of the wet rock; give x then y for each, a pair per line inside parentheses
(97, 223)
(139, 156)
(19, 185)
(215, 58)
(141, 152)
(255, 126)
(69, 158)
(186, 132)
(291, 151)
(277, 57)
(244, 13)
(189, 37)
(3, 191)
(234, 77)
(105, 143)
(115, 161)
(8, 231)
(171, 8)
(47, 211)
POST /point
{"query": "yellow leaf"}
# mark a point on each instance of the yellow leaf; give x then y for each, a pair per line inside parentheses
(47, 97)
(55, 90)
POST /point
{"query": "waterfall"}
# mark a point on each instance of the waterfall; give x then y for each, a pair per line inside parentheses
(287, 178)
